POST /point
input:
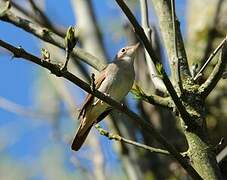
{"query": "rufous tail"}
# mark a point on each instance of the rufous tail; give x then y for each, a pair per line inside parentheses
(80, 138)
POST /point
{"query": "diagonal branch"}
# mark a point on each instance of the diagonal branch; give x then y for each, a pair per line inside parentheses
(176, 57)
(163, 12)
(54, 39)
(216, 74)
(45, 20)
(140, 33)
(212, 31)
(41, 19)
(119, 138)
(165, 102)
(210, 58)
(157, 81)
(54, 69)
(48, 36)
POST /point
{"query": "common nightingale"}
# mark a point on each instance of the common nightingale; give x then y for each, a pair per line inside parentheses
(115, 81)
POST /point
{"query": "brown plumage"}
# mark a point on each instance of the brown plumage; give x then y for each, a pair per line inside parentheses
(115, 80)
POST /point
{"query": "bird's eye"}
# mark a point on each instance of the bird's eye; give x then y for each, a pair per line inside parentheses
(123, 50)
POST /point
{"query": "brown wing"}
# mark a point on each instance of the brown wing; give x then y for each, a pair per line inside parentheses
(89, 99)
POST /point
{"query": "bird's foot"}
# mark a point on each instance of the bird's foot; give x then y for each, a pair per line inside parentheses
(106, 94)
(64, 68)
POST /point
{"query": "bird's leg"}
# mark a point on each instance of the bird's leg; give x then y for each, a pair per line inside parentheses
(106, 94)
(92, 82)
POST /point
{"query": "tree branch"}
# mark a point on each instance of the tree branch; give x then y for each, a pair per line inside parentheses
(158, 83)
(140, 33)
(212, 31)
(119, 138)
(163, 12)
(43, 21)
(54, 69)
(216, 74)
(176, 57)
(210, 58)
(48, 36)
(41, 18)
(165, 102)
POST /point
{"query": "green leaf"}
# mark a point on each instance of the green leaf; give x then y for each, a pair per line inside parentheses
(137, 92)
(160, 69)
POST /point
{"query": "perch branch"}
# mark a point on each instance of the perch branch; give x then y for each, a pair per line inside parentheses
(48, 36)
(140, 33)
(55, 69)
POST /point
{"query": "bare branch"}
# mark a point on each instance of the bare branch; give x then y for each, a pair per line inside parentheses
(210, 58)
(40, 19)
(48, 36)
(216, 74)
(176, 57)
(19, 52)
(119, 138)
(222, 155)
(158, 83)
(140, 33)
(165, 102)
(163, 11)
(212, 31)
(41, 14)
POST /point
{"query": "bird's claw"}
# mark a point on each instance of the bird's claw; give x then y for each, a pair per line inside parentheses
(64, 68)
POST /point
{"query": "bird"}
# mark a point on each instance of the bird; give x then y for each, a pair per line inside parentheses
(115, 81)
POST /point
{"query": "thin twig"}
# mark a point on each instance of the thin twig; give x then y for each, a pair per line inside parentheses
(54, 39)
(158, 83)
(19, 52)
(140, 33)
(176, 58)
(41, 20)
(217, 72)
(222, 155)
(212, 31)
(119, 138)
(41, 14)
(165, 102)
(49, 36)
(210, 58)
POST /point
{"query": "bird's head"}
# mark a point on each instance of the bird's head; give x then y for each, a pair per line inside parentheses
(128, 52)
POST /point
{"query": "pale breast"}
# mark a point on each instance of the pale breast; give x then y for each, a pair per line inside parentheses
(122, 80)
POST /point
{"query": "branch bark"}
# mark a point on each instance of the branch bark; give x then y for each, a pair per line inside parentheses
(206, 88)
(48, 36)
(140, 33)
(163, 11)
